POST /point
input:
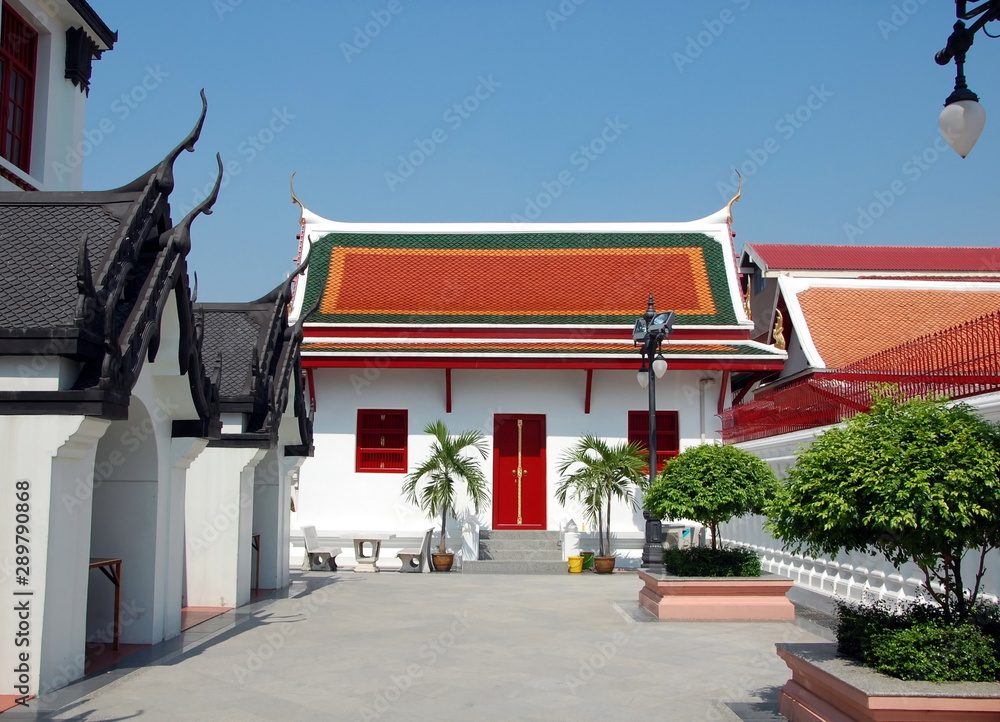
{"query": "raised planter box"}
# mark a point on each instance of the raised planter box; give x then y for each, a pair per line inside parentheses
(828, 688)
(759, 599)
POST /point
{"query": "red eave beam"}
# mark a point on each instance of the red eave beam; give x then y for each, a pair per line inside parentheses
(456, 362)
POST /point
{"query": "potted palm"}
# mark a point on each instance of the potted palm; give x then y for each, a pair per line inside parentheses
(595, 473)
(432, 486)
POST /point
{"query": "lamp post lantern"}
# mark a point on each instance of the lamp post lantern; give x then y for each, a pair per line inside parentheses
(651, 329)
(963, 118)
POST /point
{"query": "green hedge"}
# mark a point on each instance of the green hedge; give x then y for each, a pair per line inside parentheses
(914, 642)
(703, 562)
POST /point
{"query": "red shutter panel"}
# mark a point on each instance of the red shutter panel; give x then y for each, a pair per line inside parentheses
(667, 434)
(381, 441)
(18, 55)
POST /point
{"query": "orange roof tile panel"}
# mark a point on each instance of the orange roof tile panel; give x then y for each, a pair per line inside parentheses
(848, 324)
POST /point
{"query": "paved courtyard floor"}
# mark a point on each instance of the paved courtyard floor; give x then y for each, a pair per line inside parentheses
(392, 646)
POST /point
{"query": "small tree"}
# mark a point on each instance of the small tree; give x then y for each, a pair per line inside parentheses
(711, 484)
(601, 472)
(915, 481)
(446, 465)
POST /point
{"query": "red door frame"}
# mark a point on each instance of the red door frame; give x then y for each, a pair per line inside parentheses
(498, 421)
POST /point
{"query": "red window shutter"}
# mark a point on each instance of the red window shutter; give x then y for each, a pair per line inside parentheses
(18, 56)
(667, 434)
(381, 441)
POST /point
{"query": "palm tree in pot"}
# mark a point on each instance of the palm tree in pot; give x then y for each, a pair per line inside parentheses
(595, 473)
(432, 486)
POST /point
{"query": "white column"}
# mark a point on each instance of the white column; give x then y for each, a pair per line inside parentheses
(51, 460)
(219, 518)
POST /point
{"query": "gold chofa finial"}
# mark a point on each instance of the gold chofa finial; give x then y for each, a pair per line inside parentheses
(779, 331)
(295, 198)
(736, 198)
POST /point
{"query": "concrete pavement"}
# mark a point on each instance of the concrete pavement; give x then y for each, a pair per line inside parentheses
(390, 646)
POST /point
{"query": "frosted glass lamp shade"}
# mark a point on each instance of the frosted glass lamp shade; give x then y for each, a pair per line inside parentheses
(961, 124)
(659, 366)
(643, 377)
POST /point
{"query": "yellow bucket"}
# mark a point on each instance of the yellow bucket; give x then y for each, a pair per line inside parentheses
(575, 565)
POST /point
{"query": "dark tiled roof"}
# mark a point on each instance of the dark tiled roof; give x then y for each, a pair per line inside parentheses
(39, 245)
(578, 278)
(235, 334)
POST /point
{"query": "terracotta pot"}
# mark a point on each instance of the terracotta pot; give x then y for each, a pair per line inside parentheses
(604, 565)
(442, 562)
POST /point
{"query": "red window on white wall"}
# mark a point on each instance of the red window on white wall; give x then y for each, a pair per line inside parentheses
(18, 52)
(381, 441)
(668, 439)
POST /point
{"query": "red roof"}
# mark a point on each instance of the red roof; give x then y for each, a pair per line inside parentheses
(789, 257)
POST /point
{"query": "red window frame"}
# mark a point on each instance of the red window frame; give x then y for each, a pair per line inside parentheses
(381, 441)
(18, 62)
(668, 438)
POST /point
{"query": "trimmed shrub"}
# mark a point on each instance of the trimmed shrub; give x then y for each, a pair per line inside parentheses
(858, 623)
(703, 562)
(935, 652)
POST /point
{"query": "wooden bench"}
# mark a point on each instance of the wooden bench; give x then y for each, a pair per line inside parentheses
(417, 560)
(317, 557)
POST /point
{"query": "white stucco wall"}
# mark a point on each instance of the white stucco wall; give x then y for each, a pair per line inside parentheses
(335, 498)
(58, 144)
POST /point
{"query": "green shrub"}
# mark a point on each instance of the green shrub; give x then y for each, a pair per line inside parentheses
(936, 652)
(859, 622)
(703, 562)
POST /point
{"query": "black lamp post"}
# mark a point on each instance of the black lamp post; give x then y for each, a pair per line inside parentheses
(650, 330)
(963, 118)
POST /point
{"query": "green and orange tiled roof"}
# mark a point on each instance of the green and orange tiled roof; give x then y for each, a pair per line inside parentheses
(582, 278)
(448, 347)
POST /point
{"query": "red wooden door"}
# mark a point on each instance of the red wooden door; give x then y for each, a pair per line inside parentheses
(519, 471)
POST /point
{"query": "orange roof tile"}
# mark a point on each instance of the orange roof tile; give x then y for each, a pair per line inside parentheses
(517, 278)
(848, 324)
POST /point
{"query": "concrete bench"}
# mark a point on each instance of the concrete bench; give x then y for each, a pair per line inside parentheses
(317, 557)
(417, 560)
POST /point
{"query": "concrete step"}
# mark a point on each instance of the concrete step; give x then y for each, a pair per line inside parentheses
(520, 543)
(534, 535)
(514, 567)
(533, 555)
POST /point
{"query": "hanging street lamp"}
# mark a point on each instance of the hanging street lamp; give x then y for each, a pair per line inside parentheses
(651, 329)
(963, 118)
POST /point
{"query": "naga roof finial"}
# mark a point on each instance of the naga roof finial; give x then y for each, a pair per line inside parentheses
(736, 198)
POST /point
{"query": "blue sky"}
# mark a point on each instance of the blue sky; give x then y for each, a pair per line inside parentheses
(548, 110)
